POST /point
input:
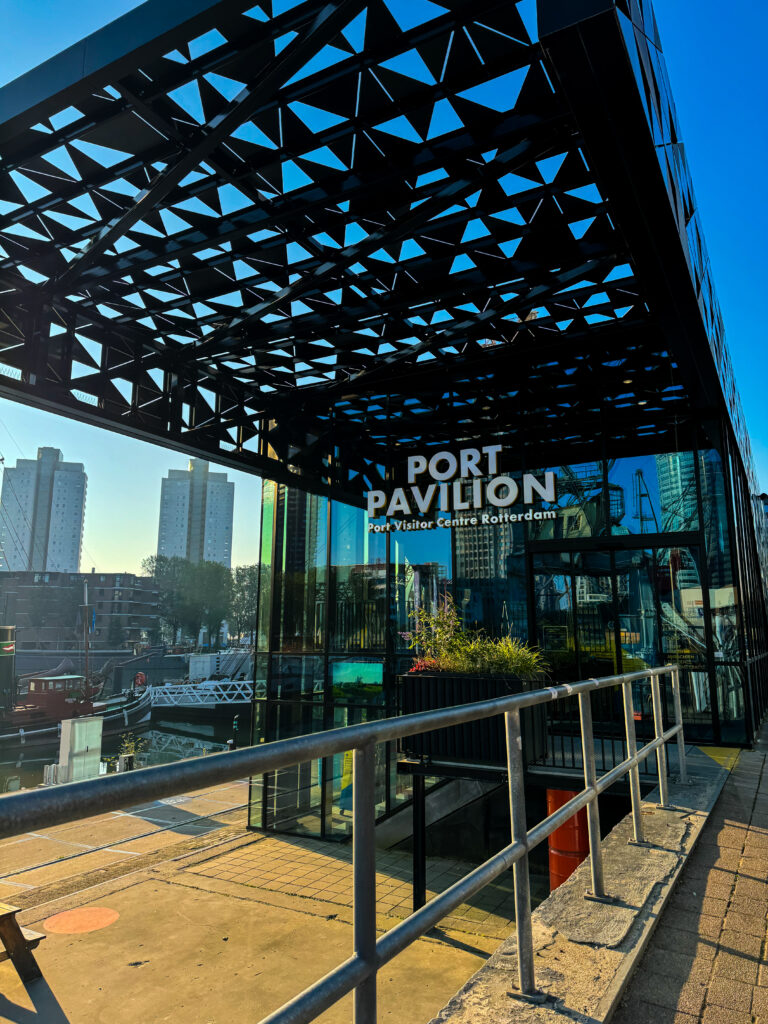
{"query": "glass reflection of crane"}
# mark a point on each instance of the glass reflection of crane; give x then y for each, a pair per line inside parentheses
(583, 481)
(641, 499)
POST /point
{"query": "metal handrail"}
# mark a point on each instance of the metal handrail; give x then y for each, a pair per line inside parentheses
(36, 809)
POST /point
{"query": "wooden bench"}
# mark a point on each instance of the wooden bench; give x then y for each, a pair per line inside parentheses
(19, 943)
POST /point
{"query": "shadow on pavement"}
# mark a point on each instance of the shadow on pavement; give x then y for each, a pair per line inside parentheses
(47, 1009)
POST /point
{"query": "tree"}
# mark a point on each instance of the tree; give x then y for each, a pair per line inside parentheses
(245, 597)
(216, 581)
(170, 574)
(192, 595)
(191, 600)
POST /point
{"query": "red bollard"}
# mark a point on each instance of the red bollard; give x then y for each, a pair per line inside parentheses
(569, 844)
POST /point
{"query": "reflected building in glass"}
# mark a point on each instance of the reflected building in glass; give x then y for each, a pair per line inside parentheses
(637, 569)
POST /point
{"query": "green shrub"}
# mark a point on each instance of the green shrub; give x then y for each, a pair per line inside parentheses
(446, 646)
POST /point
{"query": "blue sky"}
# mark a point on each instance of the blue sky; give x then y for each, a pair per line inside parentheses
(715, 58)
(123, 474)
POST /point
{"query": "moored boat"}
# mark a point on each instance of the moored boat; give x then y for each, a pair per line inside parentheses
(35, 723)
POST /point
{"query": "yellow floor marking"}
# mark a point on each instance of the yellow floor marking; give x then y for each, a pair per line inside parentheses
(726, 757)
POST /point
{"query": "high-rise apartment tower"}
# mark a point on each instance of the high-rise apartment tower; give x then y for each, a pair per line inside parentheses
(42, 508)
(196, 509)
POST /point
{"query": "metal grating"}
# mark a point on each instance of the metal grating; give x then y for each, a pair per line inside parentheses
(291, 235)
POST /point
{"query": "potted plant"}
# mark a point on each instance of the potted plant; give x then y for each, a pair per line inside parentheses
(455, 665)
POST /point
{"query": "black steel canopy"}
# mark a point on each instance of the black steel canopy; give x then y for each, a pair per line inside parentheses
(292, 236)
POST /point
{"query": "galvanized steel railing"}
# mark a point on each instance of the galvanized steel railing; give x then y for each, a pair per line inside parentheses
(36, 809)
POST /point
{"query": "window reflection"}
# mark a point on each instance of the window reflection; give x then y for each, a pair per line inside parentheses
(268, 495)
(730, 699)
(723, 594)
(553, 604)
(653, 493)
(489, 579)
(638, 609)
(358, 582)
(580, 501)
(304, 573)
(297, 678)
(420, 565)
(594, 608)
(682, 620)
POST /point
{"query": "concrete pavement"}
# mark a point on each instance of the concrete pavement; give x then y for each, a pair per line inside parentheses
(205, 926)
(708, 959)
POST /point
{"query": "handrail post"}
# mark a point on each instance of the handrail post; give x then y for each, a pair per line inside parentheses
(524, 928)
(634, 772)
(419, 842)
(661, 750)
(593, 811)
(677, 699)
(364, 877)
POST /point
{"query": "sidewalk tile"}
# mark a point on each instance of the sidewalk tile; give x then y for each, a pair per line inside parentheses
(732, 940)
(733, 995)
(720, 1015)
(736, 966)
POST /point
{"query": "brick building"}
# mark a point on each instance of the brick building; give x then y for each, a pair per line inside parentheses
(46, 608)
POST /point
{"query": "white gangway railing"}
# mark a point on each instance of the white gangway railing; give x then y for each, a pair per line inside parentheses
(209, 693)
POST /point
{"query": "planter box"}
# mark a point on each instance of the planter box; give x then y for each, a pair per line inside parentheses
(481, 743)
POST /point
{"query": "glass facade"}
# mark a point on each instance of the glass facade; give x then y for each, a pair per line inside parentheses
(650, 559)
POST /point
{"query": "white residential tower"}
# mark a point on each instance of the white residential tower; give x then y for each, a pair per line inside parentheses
(196, 508)
(42, 508)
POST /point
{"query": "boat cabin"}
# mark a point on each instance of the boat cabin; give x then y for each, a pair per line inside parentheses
(57, 696)
(55, 684)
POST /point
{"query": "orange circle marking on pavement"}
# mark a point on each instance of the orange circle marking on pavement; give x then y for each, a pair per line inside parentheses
(83, 919)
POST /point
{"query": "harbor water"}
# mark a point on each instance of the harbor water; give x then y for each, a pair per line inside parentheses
(164, 741)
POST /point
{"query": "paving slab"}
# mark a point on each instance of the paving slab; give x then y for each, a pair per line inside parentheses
(55, 855)
(69, 868)
(32, 851)
(100, 833)
(309, 869)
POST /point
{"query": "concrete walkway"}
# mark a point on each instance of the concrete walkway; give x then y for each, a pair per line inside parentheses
(322, 872)
(707, 960)
(224, 925)
(37, 866)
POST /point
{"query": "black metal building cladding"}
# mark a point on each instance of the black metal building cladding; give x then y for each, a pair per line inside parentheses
(287, 235)
(301, 237)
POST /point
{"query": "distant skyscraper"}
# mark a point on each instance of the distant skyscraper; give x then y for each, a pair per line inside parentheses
(677, 491)
(42, 507)
(196, 508)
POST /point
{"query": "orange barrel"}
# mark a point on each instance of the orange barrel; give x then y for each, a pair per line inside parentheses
(569, 844)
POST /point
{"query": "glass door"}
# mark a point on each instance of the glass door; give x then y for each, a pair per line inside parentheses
(661, 616)
(638, 609)
(594, 613)
(553, 604)
(574, 611)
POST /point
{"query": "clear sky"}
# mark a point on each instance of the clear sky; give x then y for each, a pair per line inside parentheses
(123, 503)
(716, 64)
